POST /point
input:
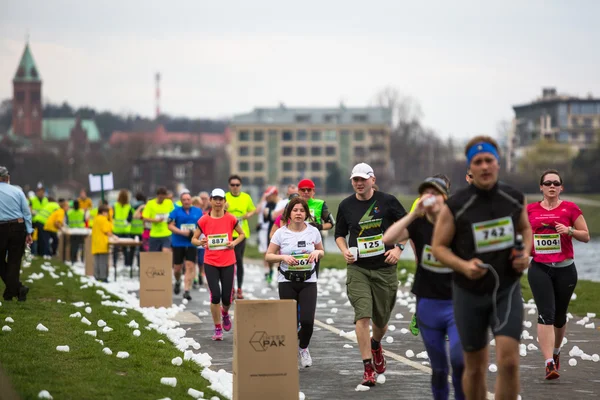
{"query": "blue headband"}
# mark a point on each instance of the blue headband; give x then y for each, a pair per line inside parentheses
(482, 147)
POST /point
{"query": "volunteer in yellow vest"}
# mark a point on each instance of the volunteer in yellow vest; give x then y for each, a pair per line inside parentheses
(241, 206)
(53, 224)
(157, 212)
(42, 217)
(38, 202)
(323, 220)
(76, 219)
(94, 213)
(85, 203)
(123, 215)
(137, 224)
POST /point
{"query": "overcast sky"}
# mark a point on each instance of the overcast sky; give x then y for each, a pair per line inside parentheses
(466, 62)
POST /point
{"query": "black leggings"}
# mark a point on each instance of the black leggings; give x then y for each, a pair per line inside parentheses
(239, 260)
(220, 283)
(76, 244)
(305, 293)
(552, 289)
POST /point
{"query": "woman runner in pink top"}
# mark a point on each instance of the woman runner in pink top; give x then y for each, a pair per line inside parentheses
(552, 274)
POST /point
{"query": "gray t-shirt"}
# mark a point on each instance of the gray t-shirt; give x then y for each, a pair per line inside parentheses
(298, 244)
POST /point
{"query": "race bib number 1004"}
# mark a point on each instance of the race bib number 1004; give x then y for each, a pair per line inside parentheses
(547, 243)
(495, 234)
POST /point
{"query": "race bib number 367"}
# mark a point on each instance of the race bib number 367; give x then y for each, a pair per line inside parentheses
(218, 242)
(303, 264)
(492, 235)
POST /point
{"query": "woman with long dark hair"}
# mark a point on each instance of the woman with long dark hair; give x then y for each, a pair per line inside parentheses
(297, 247)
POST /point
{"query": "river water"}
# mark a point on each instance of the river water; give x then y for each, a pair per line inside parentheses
(587, 256)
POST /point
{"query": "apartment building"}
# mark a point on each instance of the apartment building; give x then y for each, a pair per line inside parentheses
(284, 145)
(561, 118)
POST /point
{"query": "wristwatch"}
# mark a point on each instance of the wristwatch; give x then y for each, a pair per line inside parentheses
(400, 246)
(571, 231)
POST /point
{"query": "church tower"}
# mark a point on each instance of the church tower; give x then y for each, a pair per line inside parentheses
(27, 98)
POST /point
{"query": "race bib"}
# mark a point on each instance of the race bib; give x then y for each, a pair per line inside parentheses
(188, 227)
(370, 246)
(430, 263)
(496, 234)
(164, 217)
(303, 264)
(218, 242)
(547, 243)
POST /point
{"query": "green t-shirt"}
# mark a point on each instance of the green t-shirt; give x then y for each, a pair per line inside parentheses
(238, 206)
(155, 210)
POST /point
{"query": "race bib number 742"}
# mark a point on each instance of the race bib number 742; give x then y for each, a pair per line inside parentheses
(495, 234)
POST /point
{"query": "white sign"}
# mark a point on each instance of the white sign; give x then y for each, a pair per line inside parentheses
(98, 181)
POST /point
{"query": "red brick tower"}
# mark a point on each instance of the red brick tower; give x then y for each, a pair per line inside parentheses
(27, 98)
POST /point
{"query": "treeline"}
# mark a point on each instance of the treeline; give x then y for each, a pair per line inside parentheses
(109, 122)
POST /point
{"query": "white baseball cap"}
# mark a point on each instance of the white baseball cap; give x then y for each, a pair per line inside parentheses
(217, 193)
(362, 170)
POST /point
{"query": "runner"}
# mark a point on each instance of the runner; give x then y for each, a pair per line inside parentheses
(277, 223)
(265, 211)
(371, 279)
(182, 222)
(552, 274)
(322, 218)
(477, 235)
(414, 326)
(38, 203)
(216, 229)
(469, 177)
(433, 288)
(292, 191)
(241, 206)
(297, 248)
(157, 212)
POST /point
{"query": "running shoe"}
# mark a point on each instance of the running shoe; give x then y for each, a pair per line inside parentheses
(414, 328)
(304, 357)
(368, 376)
(556, 358)
(186, 295)
(379, 360)
(551, 372)
(218, 334)
(226, 322)
(195, 284)
(177, 287)
(239, 294)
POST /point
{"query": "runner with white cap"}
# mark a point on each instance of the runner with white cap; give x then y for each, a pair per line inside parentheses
(371, 280)
(217, 228)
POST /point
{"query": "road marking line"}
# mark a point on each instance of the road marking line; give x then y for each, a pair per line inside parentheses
(397, 357)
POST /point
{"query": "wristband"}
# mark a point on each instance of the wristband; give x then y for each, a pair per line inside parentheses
(571, 230)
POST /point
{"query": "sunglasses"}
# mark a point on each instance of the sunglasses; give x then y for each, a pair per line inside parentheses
(235, 184)
(550, 183)
(305, 190)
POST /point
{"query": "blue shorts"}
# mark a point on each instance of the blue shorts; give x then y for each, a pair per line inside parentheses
(160, 243)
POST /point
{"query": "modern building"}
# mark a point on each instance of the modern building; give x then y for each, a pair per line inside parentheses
(557, 117)
(283, 145)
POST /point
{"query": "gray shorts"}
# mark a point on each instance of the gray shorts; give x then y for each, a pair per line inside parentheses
(474, 315)
(160, 243)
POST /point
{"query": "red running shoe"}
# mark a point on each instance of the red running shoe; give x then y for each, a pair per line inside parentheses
(378, 360)
(369, 376)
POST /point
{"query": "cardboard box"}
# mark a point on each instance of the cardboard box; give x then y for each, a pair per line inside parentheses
(265, 350)
(155, 279)
(88, 256)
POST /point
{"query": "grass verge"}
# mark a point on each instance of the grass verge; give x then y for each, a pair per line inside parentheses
(32, 363)
(588, 292)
